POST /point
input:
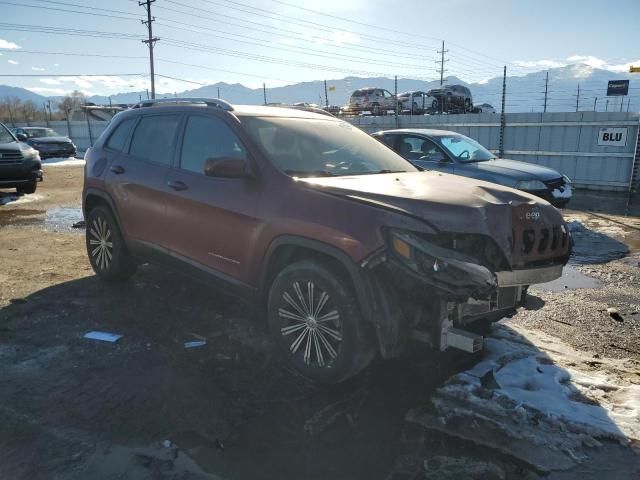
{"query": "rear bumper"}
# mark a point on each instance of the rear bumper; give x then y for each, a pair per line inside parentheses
(15, 175)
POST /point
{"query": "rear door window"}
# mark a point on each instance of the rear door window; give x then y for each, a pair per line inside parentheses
(118, 138)
(154, 138)
(208, 137)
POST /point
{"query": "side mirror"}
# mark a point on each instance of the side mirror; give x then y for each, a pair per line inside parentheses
(226, 167)
(21, 137)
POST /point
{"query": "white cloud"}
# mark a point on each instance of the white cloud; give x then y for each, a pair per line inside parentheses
(56, 64)
(8, 44)
(48, 91)
(538, 64)
(12, 62)
(575, 60)
(37, 69)
(51, 81)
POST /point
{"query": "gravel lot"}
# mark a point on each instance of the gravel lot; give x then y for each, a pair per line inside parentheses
(146, 407)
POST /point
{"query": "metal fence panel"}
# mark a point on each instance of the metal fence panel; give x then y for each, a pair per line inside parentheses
(567, 142)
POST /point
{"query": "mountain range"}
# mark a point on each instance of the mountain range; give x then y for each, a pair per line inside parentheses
(524, 93)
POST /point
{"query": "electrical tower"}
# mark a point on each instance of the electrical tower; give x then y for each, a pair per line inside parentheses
(150, 42)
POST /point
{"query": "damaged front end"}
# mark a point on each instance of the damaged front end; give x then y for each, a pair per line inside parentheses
(435, 288)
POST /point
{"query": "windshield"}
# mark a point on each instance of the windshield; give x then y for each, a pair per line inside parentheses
(5, 135)
(40, 132)
(311, 148)
(463, 149)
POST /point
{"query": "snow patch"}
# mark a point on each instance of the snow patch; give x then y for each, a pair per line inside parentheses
(538, 399)
(62, 162)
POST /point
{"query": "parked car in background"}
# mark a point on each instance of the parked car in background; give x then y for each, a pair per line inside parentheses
(375, 100)
(47, 141)
(417, 102)
(351, 251)
(452, 98)
(20, 166)
(483, 108)
(451, 152)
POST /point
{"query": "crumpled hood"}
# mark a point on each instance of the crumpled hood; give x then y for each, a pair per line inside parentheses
(449, 203)
(514, 170)
(38, 140)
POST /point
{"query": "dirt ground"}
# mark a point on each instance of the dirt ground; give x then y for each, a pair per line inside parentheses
(146, 407)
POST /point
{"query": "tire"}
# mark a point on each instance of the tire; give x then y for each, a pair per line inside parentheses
(414, 109)
(375, 109)
(467, 105)
(329, 345)
(107, 251)
(27, 189)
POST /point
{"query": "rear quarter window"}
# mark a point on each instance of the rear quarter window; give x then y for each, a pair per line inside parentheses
(118, 138)
(154, 138)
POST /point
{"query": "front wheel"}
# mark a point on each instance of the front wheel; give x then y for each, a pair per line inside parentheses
(28, 188)
(108, 254)
(316, 323)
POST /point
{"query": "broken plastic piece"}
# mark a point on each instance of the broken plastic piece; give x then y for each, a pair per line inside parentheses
(103, 336)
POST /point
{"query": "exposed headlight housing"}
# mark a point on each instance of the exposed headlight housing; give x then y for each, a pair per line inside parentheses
(449, 270)
(566, 179)
(531, 185)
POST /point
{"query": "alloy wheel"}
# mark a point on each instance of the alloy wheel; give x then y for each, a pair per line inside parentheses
(311, 324)
(101, 243)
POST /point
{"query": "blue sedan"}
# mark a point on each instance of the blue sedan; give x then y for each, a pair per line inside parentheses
(454, 153)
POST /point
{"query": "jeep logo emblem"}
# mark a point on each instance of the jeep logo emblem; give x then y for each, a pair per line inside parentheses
(533, 215)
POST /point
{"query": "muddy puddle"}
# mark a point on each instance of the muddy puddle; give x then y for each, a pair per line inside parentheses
(55, 219)
(601, 239)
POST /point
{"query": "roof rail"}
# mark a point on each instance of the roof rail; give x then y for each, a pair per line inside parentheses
(209, 102)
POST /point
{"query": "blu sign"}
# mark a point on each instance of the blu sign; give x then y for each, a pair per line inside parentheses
(612, 137)
(617, 87)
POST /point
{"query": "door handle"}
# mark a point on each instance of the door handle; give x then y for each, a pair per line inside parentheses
(117, 169)
(177, 185)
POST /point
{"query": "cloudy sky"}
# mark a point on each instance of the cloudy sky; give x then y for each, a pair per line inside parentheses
(278, 42)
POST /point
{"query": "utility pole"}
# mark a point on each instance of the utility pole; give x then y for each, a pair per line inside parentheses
(395, 94)
(441, 70)
(150, 42)
(546, 90)
(326, 95)
(621, 102)
(442, 61)
(264, 92)
(628, 103)
(595, 104)
(606, 106)
(218, 92)
(502, 115)
(578, 98)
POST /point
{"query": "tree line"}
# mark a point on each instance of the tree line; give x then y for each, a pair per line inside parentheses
(14, 110)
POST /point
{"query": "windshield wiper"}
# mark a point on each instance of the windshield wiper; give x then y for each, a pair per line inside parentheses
(310, 173)
(390, 171)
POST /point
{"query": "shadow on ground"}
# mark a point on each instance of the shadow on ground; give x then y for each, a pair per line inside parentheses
(230, 405)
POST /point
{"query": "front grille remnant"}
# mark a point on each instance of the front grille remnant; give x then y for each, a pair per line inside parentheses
(535, 238)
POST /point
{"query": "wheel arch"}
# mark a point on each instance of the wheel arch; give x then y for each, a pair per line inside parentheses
(94, 197)
(287, 249)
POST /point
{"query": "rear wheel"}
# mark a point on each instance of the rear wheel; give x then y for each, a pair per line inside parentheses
(107, 251)
(316, 323)
(28, 188)
(375, 109)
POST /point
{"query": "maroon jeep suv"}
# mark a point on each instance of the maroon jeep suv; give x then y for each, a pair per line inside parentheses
(349, 250)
